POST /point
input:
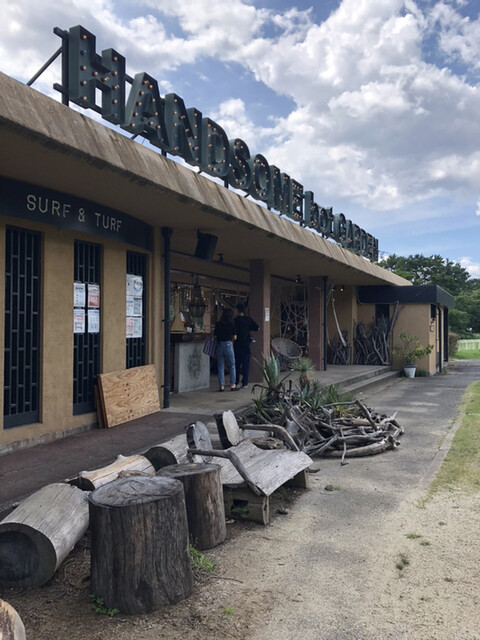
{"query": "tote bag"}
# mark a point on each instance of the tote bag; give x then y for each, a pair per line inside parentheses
(210, 346)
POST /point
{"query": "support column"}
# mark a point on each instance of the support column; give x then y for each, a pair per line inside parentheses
(167, 234)
(259, 309)
(316, 322)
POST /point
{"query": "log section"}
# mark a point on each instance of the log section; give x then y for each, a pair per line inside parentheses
(11, 625)
(38, 535)
(173, 451)
(140, 553)
(204, 500)
(90, 480)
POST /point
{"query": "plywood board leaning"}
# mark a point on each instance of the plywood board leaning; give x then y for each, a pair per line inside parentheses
(128, 394)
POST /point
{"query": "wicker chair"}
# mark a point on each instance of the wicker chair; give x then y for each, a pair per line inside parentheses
(286, 351)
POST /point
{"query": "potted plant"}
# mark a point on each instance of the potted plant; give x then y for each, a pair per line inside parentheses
(409, 351)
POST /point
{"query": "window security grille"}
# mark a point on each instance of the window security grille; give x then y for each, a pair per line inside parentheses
(22, 327)
(86, 347)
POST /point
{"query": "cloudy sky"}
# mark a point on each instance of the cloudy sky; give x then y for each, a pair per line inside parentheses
(374, 105)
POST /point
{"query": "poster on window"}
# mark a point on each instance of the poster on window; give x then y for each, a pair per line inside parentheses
(129, 332)
(134, 285)
(93, 296)
(134, 327)
(93, 321)
(134, 306)
(79, 294)
(78, 321)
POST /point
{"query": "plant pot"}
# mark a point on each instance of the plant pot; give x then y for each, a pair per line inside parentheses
(409, 370)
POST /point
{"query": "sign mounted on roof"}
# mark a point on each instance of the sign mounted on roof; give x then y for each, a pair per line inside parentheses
(98, 82)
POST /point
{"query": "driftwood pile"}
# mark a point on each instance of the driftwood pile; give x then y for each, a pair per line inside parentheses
(343, 429)
(372, 346)
(339, 349)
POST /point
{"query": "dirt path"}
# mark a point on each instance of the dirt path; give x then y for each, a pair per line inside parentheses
(291, 581)
(362, 561)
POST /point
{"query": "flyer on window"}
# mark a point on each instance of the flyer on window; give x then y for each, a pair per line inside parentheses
(134, 327)
(78, 321)
(93, 321)
(93, 296)
(134, 285)
(134, 306)
(79, 294)
(137, 327)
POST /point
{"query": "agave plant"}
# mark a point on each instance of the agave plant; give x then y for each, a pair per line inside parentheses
(332, 396)
(303, 366)
(270, 369)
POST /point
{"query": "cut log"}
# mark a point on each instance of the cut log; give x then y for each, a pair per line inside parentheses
(173, 451)
(11, 625)
(204, 500)
(140, 550)
(38, 535)
(90, 480)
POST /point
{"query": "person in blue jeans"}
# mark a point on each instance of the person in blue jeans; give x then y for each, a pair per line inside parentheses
(243, 326)
(225, 335)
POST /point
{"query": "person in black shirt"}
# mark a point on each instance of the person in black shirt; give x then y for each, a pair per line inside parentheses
(243, 325)
(225, 335)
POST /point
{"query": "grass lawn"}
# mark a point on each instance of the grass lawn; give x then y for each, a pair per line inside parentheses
(461, 466)
(473, 354)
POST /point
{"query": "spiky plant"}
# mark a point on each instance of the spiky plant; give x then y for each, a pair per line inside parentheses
(304, 366)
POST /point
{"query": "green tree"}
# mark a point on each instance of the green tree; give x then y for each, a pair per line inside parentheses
(451, 276)
(469, 302)
(459, 322)
(420, 269)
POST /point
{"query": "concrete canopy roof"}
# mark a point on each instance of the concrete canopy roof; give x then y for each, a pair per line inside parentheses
(48, 144)
(418, 294)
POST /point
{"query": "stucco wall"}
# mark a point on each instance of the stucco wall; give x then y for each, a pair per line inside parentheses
(56, 372)
(414, 319)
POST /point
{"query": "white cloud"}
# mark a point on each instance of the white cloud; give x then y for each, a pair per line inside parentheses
(373, 122)
(472, 267)
(459, 37)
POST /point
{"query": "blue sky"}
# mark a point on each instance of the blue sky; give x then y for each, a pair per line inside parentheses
(374, 105)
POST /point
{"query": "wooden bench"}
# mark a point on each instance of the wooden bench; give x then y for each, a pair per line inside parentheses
(250, 474)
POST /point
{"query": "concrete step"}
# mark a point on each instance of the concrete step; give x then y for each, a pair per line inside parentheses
(370, 382)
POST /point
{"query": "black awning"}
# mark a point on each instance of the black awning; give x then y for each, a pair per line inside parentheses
(389, 294)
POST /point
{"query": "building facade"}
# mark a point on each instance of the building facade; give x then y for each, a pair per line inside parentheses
(99, 239)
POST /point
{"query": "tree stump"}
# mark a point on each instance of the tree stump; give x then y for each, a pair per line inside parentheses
(204, 499)
(11, 625)
(38, 535)
(140, 556)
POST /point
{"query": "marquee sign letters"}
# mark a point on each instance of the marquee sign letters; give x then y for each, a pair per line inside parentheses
(175, 129)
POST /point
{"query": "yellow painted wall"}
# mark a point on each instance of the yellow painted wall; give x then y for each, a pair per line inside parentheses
(366, 314)
(56, 373)
(414, 319)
